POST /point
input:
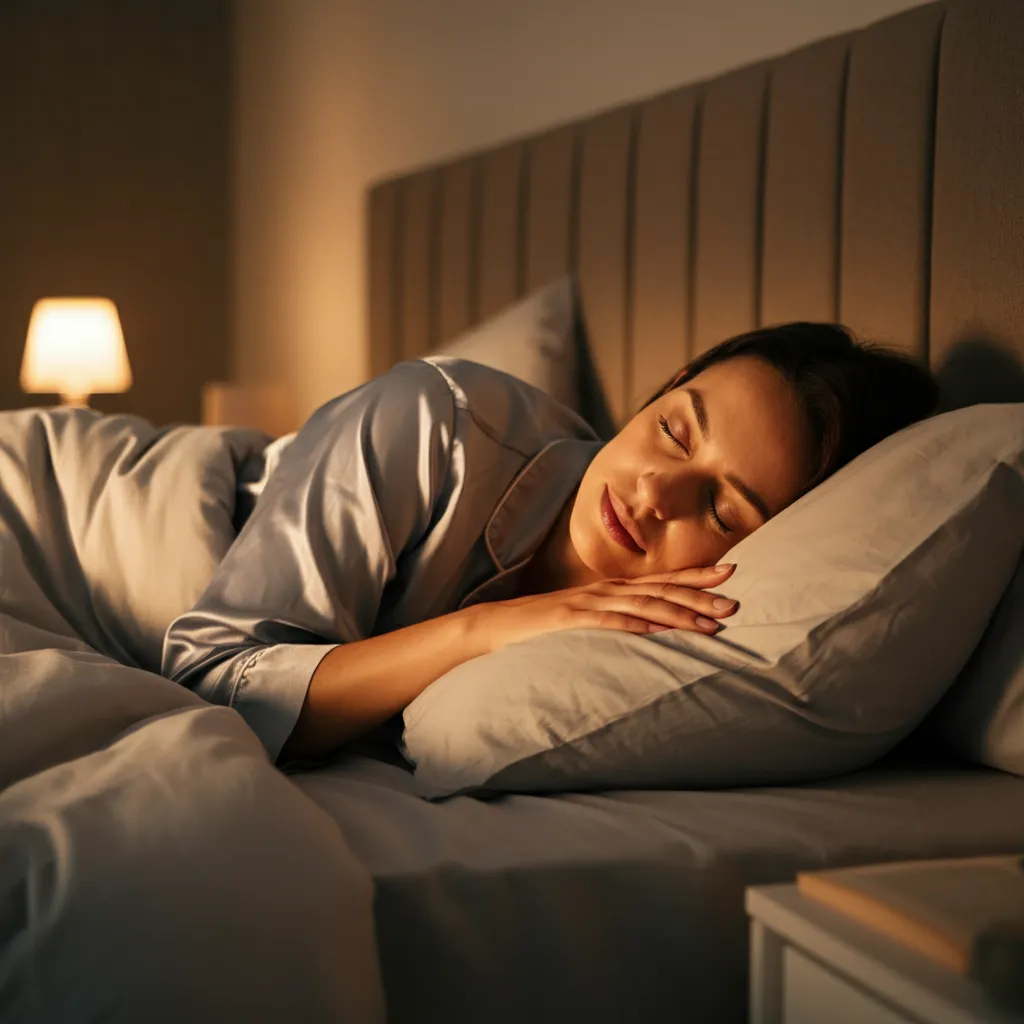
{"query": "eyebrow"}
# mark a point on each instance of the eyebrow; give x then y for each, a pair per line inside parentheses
(700, 411)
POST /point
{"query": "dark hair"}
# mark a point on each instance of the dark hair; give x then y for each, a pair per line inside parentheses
(854, 393)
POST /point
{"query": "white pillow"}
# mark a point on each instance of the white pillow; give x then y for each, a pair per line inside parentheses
(859, 605)
(982, 716)
(534, 340)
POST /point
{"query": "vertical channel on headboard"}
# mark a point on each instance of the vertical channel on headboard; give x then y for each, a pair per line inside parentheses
(977, 293)
(500, 236)
(887, 179)
(456, 255)
(802, 182)
(550, 206)
(729, 190)
(418, 264)
(382, 244)
(604, 248)
(661, 241)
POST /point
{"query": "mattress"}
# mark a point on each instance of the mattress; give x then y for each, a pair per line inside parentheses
(623, 906)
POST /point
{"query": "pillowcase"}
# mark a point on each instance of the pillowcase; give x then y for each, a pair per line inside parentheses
(859, 605)
(982, 716)
(534, 340)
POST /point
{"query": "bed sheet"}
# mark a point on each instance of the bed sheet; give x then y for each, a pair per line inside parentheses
(623, 906)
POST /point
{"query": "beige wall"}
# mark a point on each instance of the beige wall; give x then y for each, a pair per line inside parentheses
(114, 178)
(332, 94)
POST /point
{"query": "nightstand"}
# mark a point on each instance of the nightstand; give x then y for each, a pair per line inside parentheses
(812, 965)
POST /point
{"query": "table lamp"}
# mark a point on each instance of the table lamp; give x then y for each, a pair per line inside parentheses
(75, 348)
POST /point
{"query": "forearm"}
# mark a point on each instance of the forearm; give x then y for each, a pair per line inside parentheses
(359, 685)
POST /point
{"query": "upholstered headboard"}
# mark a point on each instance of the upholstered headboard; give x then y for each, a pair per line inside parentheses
(875, 178)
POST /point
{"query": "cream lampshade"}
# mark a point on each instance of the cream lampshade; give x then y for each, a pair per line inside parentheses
(75, 348)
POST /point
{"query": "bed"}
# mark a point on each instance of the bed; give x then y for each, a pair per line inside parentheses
(873, 178)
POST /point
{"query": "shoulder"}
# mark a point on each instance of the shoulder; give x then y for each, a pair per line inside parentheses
(409, 408)
(507, 409)
(410, 394)
(440, 397)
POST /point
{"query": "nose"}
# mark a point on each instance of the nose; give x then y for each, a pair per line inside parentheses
(667, 496)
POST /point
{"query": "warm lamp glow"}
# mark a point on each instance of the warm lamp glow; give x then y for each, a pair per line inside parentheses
(75, 348)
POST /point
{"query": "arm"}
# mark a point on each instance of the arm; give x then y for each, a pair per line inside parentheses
(358, 686)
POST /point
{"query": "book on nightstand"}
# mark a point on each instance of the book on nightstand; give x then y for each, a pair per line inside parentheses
(966, 914)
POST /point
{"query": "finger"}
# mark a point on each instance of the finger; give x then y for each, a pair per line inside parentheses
(656, 611)
(595, 619)
(713, 605)
(699, 577)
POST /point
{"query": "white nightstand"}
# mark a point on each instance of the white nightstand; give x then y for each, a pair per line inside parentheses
(812, 965)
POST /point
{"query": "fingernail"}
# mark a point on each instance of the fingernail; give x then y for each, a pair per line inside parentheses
(720, 603)
(706, 623)
(725, 567)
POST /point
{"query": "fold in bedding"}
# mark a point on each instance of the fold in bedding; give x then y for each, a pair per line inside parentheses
(114, 526)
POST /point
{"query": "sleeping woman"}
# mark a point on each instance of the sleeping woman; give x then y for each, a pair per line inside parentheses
(445, 510)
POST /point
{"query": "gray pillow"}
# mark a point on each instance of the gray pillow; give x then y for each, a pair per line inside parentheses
(982, 716)
(860, 604)
(534, 340)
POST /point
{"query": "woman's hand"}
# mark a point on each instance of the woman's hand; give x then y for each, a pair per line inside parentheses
(645, 604)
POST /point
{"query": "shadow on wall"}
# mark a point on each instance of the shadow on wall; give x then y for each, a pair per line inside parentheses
(978, 369)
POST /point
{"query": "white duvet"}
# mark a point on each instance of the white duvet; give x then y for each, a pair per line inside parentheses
(154, 866)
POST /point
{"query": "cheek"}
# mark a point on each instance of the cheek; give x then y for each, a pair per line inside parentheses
(586, 534)
(690, 546)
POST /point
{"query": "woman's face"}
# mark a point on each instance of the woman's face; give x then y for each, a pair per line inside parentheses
(693, 473)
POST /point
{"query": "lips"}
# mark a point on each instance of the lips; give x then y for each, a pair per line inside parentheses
(616, 526)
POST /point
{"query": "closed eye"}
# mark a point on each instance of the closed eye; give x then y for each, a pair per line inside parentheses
(715, 517)
(719, 523)
(667, 431)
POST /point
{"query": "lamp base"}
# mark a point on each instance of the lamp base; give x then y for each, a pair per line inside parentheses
(75, 401)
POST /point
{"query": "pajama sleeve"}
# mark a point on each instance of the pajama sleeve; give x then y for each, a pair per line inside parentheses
(357, 487)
